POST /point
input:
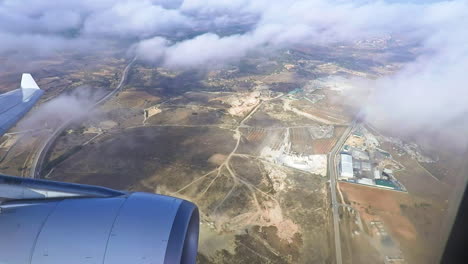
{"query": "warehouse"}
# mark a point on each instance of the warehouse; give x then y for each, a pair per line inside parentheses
(346, 166)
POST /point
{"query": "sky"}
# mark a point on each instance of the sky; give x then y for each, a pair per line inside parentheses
(428, 93)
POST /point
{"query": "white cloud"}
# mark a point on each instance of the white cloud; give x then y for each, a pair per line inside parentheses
(152, 50)
(209, 49)
(137, 19)
(433, 87)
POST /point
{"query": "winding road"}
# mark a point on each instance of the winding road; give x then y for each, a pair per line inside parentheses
(38, 161)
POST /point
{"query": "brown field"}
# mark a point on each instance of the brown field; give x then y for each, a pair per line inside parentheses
(191, 115)
(276, 142)
(257, 216)
(301, 141)
(281, 77)
(255, 134)
(273, 114)
(335, 115)
(380, 204)
(213, 100)
(253, 140)
(324, 145)
(136, 98)
(418, 180)
(413, 222)
(15, 157)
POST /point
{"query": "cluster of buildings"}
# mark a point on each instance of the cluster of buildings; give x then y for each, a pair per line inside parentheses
(358, 165)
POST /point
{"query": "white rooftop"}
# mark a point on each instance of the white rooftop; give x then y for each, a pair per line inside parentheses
(346, 166)
(366, 181)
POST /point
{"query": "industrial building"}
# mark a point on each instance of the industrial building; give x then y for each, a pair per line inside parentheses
(364, 163)
(346, 166)
(366, 166)
(361, 165)
(366, 181)
(386, 184)
(376, 174)
(360, 154)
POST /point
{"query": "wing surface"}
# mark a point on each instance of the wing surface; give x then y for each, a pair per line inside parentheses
(15, 104)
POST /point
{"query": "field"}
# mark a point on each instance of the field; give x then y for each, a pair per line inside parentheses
(300, 141)
(204, 141)
(203, 138)
(413, 223)
(64, 76)
(257, 207)
(230, 140)
(324, 145)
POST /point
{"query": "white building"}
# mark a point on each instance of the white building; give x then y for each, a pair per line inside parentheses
(366, 166)
(366, 181)
(376, 174)
(346, 166)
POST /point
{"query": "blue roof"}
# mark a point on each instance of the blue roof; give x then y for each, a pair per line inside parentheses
(385, 183)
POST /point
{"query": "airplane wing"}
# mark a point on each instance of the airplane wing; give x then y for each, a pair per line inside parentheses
(15, 104)
(54, 222)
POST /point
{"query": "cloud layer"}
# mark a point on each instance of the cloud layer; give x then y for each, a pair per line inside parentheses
(53, 24)
(428, 92)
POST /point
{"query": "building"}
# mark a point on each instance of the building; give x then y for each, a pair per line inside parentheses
(388, 171)
(366, 166)
(346, 166)
(386, 184)
(358, 134)
(376, 174)
(346, 148)
(366, 181)
(360, 154)
(356, 165)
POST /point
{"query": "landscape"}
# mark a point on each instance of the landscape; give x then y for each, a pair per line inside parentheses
(258, 144)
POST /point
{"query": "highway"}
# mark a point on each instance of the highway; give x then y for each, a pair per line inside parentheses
(333, 170)
(38, 161)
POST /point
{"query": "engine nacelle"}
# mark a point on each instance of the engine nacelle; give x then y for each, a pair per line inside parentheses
(129, 228)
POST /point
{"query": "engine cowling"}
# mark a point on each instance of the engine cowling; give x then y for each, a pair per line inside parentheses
(130, 228)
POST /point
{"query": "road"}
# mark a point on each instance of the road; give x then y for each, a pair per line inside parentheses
(333, 169)
(38, 161)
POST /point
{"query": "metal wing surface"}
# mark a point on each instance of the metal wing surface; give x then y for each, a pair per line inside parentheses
(15, 104)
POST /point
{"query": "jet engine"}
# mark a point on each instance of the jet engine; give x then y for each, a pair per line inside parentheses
(55, 223)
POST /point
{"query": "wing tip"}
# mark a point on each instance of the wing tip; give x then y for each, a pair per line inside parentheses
(27, 81)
